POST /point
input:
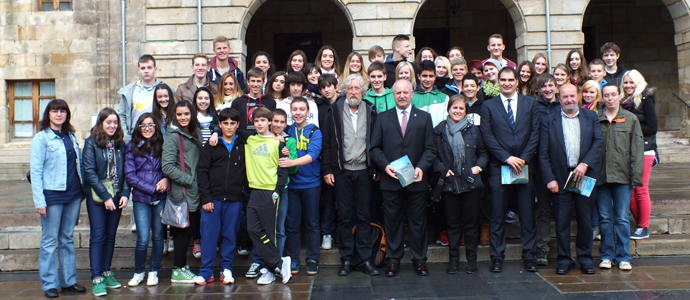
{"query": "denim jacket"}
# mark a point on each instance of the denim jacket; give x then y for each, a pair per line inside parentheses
(49, 164)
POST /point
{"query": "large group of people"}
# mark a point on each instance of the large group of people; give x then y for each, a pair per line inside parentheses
(260, 158)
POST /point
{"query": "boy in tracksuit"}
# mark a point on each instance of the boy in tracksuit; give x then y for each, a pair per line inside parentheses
(221, 197)
(278, 124)
(267, 181)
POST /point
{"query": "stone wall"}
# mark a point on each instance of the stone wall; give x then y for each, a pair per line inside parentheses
(68, 46)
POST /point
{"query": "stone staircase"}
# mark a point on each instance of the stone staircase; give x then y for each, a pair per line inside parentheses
(14, 163)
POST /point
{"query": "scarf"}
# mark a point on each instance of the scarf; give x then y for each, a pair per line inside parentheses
(457, 143)
(204, 121)
(112, 164)
(628, 103)
(491, 90)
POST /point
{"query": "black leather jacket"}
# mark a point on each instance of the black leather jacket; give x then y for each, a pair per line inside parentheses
(94, 168)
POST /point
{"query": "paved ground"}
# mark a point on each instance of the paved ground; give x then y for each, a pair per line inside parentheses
(651, 278)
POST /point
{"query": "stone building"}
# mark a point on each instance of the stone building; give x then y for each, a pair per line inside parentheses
(72, 49)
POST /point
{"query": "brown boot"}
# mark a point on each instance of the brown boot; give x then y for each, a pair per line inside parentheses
(484, 234)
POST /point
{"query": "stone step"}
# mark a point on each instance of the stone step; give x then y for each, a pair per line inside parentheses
(657, 245)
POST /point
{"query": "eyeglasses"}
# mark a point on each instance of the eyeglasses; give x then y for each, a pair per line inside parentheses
(150, 126)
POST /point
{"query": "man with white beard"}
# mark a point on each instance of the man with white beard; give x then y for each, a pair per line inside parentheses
(346, 166)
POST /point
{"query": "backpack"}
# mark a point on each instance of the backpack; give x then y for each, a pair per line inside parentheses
(378, 244)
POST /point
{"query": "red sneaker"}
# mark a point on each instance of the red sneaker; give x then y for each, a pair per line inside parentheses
(442, 239)
(197, 249)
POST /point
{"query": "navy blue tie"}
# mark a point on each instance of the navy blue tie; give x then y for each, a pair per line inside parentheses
(510, 115)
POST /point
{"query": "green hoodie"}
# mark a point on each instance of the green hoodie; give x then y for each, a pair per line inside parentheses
(381, 103)
(171, 166)
(434, 102)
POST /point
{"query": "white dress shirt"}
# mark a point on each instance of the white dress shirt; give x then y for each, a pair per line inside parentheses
(400, 115)
(513, 104)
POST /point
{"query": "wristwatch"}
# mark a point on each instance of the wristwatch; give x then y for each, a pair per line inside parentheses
(480, 169)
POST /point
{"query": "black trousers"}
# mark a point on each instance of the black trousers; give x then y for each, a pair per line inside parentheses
(395, 205)
(562, 206)
(499, 202)
(182, 238)
(462, 211)
(261, 226)
(353, 195)
(542, 212)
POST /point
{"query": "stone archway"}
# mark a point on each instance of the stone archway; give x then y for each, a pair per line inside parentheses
(652, 38)
(279, 27)
(466, 28)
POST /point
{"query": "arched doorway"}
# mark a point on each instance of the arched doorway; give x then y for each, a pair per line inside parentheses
(644, 31)
(442, 24)
(280, 27)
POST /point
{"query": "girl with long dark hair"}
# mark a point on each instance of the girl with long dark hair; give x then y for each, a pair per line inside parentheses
(107, 194)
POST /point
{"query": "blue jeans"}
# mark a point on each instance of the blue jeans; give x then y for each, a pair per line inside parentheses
(103, 225)
(225, 220)
(280, 229)
(303, 207)
(58, 233)
(613, 201)
(148, 220)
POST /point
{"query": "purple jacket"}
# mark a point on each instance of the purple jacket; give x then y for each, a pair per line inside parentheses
(142, 173)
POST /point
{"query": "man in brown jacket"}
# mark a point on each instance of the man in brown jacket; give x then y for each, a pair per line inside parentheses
(200, 78)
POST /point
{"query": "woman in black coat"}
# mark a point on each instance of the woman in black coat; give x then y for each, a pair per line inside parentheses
(461, 157)
(103, 154)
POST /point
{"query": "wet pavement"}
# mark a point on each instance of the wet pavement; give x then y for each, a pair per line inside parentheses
(651, 278)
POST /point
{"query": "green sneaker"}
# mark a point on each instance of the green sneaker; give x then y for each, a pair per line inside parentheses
(110, 281)
(98, 287)
(182, 275)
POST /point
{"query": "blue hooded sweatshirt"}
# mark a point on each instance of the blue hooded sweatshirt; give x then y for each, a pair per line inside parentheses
(307, 176)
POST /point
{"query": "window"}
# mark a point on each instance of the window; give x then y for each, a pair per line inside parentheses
(28, 99)
(49, 5)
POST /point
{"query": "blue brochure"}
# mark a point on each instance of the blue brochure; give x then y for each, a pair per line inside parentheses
(583, 187)
(404, 170)
(508, 176)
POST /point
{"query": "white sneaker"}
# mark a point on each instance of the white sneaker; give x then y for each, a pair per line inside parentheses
(605, 264)
(165, 247)
(285, 269)
(171, 245)
(153, 278)
(624, 265)
(327, 243)
(137, 279)
(226, 277)
(266, 277)
(198, 280)
(134, 227)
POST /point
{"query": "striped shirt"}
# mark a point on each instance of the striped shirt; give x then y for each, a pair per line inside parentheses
(571, 136)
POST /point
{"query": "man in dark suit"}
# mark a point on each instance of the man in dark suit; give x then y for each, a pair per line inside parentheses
(510, 131)
(404, 130)
(571, 141)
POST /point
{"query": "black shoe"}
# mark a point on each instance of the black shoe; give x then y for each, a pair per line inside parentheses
(392, 269)
(345, 268)
(587, 269)
(496, 266)
(52, 293)
(368, 269)
(75, 288)
(312, 267)
(471, 266)
(562, 269)
(530, 265)
(452, 266)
